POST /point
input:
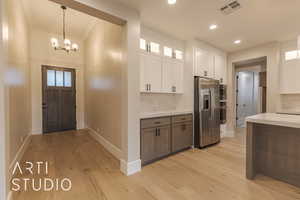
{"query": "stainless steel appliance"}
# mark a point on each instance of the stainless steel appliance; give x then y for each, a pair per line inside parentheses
(206, 112)
(223, 103)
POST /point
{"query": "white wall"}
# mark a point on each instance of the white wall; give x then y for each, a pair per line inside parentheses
(41, 53)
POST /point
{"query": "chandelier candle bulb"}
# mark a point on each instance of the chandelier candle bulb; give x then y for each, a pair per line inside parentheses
(67, 44)
(75, 47)
(54, 42)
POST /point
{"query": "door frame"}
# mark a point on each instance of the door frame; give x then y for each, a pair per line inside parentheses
(43, 91)
(262, 61)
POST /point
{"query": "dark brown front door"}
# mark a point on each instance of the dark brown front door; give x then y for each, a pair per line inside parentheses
(59, 99)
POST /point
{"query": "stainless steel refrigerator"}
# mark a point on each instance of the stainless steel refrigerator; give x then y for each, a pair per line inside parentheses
(206, 112)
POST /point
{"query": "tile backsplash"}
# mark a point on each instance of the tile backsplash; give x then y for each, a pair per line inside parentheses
(290, 102)
(151, 103)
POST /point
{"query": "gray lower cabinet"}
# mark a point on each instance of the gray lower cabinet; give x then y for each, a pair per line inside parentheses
(148, 139)
(162, 141)
(182, 136)
(155, 143)
(162, 136)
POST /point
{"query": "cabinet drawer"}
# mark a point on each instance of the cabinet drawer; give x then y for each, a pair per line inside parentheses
(182, 118)
(155, 122)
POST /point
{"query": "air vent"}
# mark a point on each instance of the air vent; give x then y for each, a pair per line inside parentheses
(230, 7)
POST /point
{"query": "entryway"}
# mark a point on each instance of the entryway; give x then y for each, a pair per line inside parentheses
(247, 96)
(250, 89)
(59, 99)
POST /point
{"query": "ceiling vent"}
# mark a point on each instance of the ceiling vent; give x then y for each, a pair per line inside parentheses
(230, 7)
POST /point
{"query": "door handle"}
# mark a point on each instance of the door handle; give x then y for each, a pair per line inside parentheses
(149, 87)
(156, 132)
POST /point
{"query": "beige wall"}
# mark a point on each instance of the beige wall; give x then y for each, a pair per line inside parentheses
(3, 133)
(103, 80)
(130, 79)
(41, 53)
(272, 52)
(17, 78)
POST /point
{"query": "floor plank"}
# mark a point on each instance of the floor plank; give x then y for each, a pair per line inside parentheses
(216, 173)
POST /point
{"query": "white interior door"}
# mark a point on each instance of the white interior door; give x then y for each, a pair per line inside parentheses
(247, 96)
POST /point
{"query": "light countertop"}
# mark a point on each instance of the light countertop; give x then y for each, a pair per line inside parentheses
(289, 112)
(164, 114)
(287, 120)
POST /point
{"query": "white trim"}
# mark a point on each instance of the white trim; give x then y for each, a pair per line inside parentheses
(107, 145)
(10, 196)
(130, 168)
(37, 132)
(227, 133)
(19, 155)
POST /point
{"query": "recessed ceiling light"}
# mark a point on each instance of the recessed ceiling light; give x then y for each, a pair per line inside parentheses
(213, 26)
(237, 41)
(171, 2)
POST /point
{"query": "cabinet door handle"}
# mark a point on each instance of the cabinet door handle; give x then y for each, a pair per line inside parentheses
(158, 131)
(146, 87)
(149, 87)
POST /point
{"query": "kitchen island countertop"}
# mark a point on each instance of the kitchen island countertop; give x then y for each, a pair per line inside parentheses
(286, 120)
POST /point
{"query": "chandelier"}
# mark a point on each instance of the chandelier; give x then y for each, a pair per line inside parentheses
(67, 44)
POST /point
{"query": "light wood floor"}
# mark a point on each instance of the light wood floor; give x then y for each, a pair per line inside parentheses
(216, 173)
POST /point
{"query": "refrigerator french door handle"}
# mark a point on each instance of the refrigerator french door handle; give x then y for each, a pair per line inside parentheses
(211, 115)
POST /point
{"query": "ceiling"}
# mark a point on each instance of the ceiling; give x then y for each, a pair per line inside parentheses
(47, 16)
(257, 22)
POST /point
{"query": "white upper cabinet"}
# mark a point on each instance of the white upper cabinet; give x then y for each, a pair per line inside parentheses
(161, 68)
(203, 63)
(210, 64)
(151, 73)
(289, 71)
(172, 76)
(220, 69)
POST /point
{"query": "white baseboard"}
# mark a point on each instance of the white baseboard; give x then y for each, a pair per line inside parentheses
(9, 196)
(227, 133)
(130, 168)
(19, 155)
(37, 132)
(107, 145)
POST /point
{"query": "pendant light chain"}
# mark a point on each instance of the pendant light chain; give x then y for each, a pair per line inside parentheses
(64, 22)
